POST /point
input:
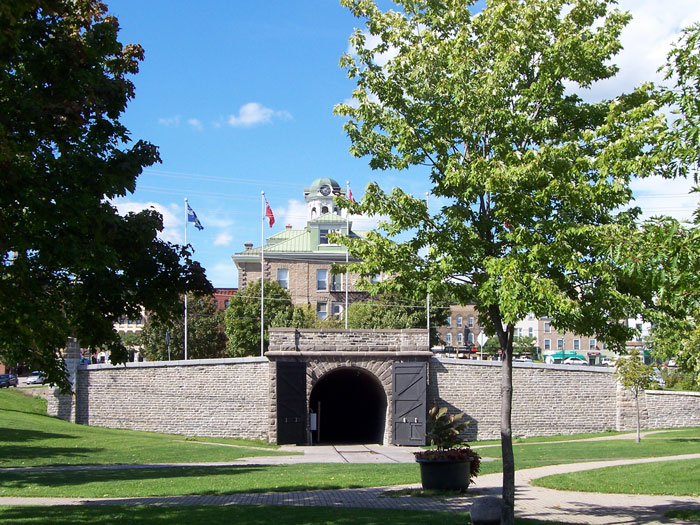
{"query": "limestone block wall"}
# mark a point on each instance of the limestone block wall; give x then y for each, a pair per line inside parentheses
(311, 340)
(547, 399)
(212, 397)
(665, 408)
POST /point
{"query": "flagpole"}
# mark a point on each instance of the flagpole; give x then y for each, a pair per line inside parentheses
(186, 221)
(347, 254)
(262, 275)
(427, 256)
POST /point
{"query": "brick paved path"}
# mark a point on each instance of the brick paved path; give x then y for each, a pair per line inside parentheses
(531, 502)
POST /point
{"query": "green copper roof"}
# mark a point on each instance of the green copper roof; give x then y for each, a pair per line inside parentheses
(323, 181)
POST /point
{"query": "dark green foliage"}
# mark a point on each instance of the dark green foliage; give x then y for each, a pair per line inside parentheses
(70, 265)
(242, 317)
(205, 333)
(444, 429)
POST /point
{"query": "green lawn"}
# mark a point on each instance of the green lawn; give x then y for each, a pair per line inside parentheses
(680, 478)
(240, 515)
(28, 438)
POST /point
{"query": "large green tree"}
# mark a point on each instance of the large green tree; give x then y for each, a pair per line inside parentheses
(242, 317)
(70, 265)
(205, 332)
(667, 251)
(533, 182)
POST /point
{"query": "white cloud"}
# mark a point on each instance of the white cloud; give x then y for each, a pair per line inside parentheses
(173, 221)
(371, 42)
(647, 40)
(659, 196)
(223, 239)
(223, 275)
(195, 124)
(254, 113)
(171, 122)
(295, 214)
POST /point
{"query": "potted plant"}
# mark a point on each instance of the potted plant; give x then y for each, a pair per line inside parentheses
(452, 465)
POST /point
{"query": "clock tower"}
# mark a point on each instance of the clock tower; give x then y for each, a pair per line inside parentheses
(319, 198)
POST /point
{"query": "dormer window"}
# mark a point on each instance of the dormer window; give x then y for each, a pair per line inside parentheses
(324, 210)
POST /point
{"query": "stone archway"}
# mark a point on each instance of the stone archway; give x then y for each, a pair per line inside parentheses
(350, 407)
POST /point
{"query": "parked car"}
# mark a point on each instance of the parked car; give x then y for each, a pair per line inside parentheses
(36, 378)
(8, 380)
(575, 361)
(606, 361)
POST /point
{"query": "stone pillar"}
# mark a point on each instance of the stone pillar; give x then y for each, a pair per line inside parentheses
(61, 405)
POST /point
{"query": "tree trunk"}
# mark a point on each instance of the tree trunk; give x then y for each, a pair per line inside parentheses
(508, 514)
(639, 432)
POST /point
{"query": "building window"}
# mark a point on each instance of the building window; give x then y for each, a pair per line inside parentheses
(459, 339)
(470, 338)
(547, 327)
(591, 344)
(337, 309)
(448, 339)
(322, 310)
(448, 322)
(560, 344)
(225, 304)
(322, 280)
(336, 282)
(470, 321)
(519, 332)
(323, 236)
(283, 278)
(459, 321)
(530, 332)
(577, 344)
(547, 344)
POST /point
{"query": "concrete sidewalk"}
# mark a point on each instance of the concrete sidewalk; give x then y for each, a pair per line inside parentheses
(531, 502)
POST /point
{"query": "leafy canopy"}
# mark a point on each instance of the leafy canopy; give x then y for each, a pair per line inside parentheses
(70, 265)
(533, 182)
(205, 332)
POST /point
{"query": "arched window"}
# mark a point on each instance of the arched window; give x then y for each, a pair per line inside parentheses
(324, 210)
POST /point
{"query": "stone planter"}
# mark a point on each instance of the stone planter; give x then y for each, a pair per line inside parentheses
(444, 474)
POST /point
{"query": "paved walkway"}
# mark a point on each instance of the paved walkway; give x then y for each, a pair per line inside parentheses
(531, 502)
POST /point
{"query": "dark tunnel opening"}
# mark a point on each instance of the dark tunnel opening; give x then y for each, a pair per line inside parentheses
(350, 406)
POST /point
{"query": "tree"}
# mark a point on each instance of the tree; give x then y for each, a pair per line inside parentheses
(242, 317)
(533, 181)
(70, 265)
(205, 332)
(525, 345)
(668, 251)
(392, 310)
(635, 376)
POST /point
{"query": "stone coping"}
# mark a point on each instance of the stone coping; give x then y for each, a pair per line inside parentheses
(672, 393)
(342, 330)
(348, 353)
(521, 364)
(189, 362)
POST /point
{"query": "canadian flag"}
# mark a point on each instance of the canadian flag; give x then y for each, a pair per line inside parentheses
(269, 214)
(350, 197)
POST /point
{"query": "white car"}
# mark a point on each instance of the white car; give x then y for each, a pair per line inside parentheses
(575, 361)
(36, 378)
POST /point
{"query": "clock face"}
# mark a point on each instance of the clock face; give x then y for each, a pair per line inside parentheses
(325, 190)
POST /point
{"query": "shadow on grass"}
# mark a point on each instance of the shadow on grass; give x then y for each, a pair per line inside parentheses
(15, 453)
(241, 515)
(26, 435)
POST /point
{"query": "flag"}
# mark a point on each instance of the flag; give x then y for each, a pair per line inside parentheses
(269, 214)
(192, 217)
(350, 197)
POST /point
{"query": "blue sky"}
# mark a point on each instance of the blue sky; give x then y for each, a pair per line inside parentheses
(239, 98)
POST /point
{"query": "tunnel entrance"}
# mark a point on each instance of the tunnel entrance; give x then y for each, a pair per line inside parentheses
(350, 408)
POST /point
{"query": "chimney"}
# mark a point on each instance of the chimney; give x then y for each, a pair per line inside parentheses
(248, 246)
(288, 226)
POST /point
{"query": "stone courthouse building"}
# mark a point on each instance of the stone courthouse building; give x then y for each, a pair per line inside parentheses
(301, 260)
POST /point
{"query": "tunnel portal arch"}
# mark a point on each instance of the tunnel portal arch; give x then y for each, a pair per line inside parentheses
(350, 407)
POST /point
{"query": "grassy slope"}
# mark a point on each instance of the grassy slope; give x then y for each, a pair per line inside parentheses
(28, 438)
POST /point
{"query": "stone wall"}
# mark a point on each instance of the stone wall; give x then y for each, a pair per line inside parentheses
(547, 399)
(208, 397)
(305, 340)
(665, 408)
